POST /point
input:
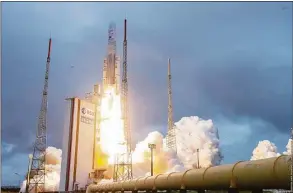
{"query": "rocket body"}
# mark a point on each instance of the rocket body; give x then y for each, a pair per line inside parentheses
(111, 70)
(111, 75)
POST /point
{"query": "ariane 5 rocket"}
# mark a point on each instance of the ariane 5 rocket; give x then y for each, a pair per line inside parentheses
(111, 70)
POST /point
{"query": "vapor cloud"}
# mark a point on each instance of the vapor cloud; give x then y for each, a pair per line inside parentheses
(194, 133)
(265, 149)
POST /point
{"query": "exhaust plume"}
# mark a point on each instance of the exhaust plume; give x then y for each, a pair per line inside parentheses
(194, 133)
(164, 160)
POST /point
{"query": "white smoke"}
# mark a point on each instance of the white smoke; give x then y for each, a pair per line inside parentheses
(53, 156)
(265, 149)
(195, 134)
(164, 160)
(192, 133)
(53, 166)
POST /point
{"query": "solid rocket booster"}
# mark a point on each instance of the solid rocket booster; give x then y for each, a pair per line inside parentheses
(111, 70)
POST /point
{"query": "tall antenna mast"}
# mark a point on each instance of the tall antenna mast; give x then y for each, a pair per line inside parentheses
(171, 134)
(39, 155)
(123, 165)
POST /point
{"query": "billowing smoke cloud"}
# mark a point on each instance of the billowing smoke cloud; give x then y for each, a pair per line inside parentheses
(53, 166)
(265, 149)
(164, 160)
(193, 134)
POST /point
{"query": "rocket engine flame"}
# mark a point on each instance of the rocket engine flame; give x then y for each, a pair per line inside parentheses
(112, 137)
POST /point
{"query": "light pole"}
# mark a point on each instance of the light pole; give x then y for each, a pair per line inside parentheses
(152, 146)
(197, 151)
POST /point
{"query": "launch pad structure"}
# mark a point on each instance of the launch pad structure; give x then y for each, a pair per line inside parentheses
(123, 165)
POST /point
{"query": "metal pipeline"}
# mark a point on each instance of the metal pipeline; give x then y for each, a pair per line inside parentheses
(269, 173)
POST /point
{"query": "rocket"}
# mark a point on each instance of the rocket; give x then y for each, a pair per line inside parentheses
(111, 69)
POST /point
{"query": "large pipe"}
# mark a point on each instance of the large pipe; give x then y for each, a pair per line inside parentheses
(269, 173)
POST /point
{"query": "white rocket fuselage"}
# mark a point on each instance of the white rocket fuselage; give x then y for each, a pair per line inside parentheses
(111, 75)
(111, 69)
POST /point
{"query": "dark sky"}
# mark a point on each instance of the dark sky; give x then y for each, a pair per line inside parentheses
(231, 63)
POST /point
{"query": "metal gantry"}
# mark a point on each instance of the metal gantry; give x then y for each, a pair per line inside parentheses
(123, 165)
(171, 133)
(37, 170)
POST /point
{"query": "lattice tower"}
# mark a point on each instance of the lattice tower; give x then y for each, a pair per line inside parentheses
(39, 153)
(123, 165)
(171, 134)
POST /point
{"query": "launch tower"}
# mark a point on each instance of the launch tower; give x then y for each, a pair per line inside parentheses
(123, 162)
(37, 172)
(171, 134)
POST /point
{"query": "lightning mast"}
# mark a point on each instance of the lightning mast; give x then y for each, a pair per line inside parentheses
(123, 165)
(39, 159)
(171, 133)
